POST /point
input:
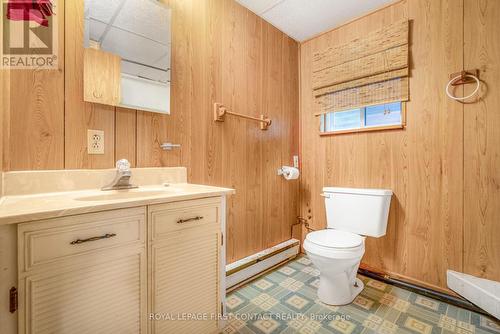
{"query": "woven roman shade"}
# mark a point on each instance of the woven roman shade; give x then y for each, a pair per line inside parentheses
(366, 71)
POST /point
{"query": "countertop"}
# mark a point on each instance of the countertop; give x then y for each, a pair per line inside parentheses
(24, 208)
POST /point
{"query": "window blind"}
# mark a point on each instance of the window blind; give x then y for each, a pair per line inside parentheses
(364, 71)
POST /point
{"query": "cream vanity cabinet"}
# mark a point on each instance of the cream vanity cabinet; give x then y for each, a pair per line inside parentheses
(108, 272)
(184, 265)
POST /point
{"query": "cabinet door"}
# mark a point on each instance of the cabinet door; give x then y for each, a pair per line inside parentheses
(106, 297)
(185, 281)
(102, 77)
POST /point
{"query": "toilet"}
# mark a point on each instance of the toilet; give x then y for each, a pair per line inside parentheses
(351, 214)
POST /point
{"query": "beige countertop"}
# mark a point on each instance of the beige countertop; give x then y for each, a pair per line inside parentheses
(23, 208)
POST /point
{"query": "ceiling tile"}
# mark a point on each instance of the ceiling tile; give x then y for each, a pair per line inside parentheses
(133, 47)
(259, 6)
(145, 72)
(131, 68)
(86, 33)
(156, 75)
(146, 18)
(301, 19)
(101, 10)
(96, 29)
(164, 61)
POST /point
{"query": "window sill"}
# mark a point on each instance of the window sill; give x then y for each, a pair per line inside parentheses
(369, 129)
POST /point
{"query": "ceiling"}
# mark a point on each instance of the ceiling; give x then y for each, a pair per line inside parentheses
(136, 30)
(303, 19)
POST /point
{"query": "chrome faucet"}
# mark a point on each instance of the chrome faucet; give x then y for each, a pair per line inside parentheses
(122, 178)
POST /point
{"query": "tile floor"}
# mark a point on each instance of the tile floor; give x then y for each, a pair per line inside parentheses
(285, 301)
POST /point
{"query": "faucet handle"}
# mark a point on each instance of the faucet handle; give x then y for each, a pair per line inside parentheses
(123, 165)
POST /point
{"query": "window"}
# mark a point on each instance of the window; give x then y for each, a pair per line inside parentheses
(381, 116)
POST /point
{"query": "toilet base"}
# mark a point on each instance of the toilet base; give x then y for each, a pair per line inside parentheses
(330, 293)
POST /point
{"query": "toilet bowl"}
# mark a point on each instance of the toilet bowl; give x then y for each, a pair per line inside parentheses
(337, 255)
(337, 250)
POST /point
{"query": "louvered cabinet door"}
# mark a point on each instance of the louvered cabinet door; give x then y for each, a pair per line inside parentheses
(185, 281)
(106, 297)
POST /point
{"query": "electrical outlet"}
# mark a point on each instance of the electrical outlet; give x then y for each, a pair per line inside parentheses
(95, 142)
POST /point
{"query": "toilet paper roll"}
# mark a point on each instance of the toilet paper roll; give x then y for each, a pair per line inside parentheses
(290, 173)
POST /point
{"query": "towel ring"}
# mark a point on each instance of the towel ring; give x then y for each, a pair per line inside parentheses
(461, 76)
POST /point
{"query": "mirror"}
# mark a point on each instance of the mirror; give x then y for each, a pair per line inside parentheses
(127, 54)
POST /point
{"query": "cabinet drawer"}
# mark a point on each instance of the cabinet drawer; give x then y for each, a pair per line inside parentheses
(165, 218)
(55, 239)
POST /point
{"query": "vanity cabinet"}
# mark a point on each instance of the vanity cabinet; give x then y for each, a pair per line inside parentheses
(184, 262)
(83, 274)
(153, 269)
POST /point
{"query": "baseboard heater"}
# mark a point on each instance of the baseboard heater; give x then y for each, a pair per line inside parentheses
(481, 292)
(246, 269)
(457, 301)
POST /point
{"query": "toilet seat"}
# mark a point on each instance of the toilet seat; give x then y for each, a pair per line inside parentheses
(331, 238)
(335, 244)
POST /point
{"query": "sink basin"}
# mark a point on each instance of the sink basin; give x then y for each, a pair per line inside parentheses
(125, 194)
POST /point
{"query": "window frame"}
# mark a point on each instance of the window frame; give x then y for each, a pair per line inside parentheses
(368, 128)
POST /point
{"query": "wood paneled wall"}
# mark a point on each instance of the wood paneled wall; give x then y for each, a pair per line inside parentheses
(482, 142)
(221, 53)
(34, 115)
(444, 168)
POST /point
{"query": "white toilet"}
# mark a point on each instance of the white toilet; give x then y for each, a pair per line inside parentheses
(351, 214)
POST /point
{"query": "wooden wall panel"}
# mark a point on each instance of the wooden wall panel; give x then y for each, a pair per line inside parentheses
(126, 135)
(258, 67)
(34, 120)
(272, 99)
(290, 135)
(253, 204)
(235, 146)
(4, 107)
(435, 134)
(421, 164)
(154, 129)
(151, 132)
(481, 142)
(79, 115)
(224, 53)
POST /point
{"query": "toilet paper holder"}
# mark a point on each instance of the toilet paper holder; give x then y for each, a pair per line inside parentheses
(284, 171)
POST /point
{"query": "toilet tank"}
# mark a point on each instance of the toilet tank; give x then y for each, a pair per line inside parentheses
(356, 210)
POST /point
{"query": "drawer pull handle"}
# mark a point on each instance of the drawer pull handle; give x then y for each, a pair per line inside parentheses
(182, 221)
(81, 241)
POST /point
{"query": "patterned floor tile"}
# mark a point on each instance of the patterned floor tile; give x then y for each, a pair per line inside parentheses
(285, 301)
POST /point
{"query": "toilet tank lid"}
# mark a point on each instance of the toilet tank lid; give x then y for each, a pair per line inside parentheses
(359, 191)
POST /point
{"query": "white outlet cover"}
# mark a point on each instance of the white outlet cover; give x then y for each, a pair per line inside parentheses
(95, 141)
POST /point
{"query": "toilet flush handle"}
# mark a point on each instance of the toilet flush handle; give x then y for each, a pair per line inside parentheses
(324, 195)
